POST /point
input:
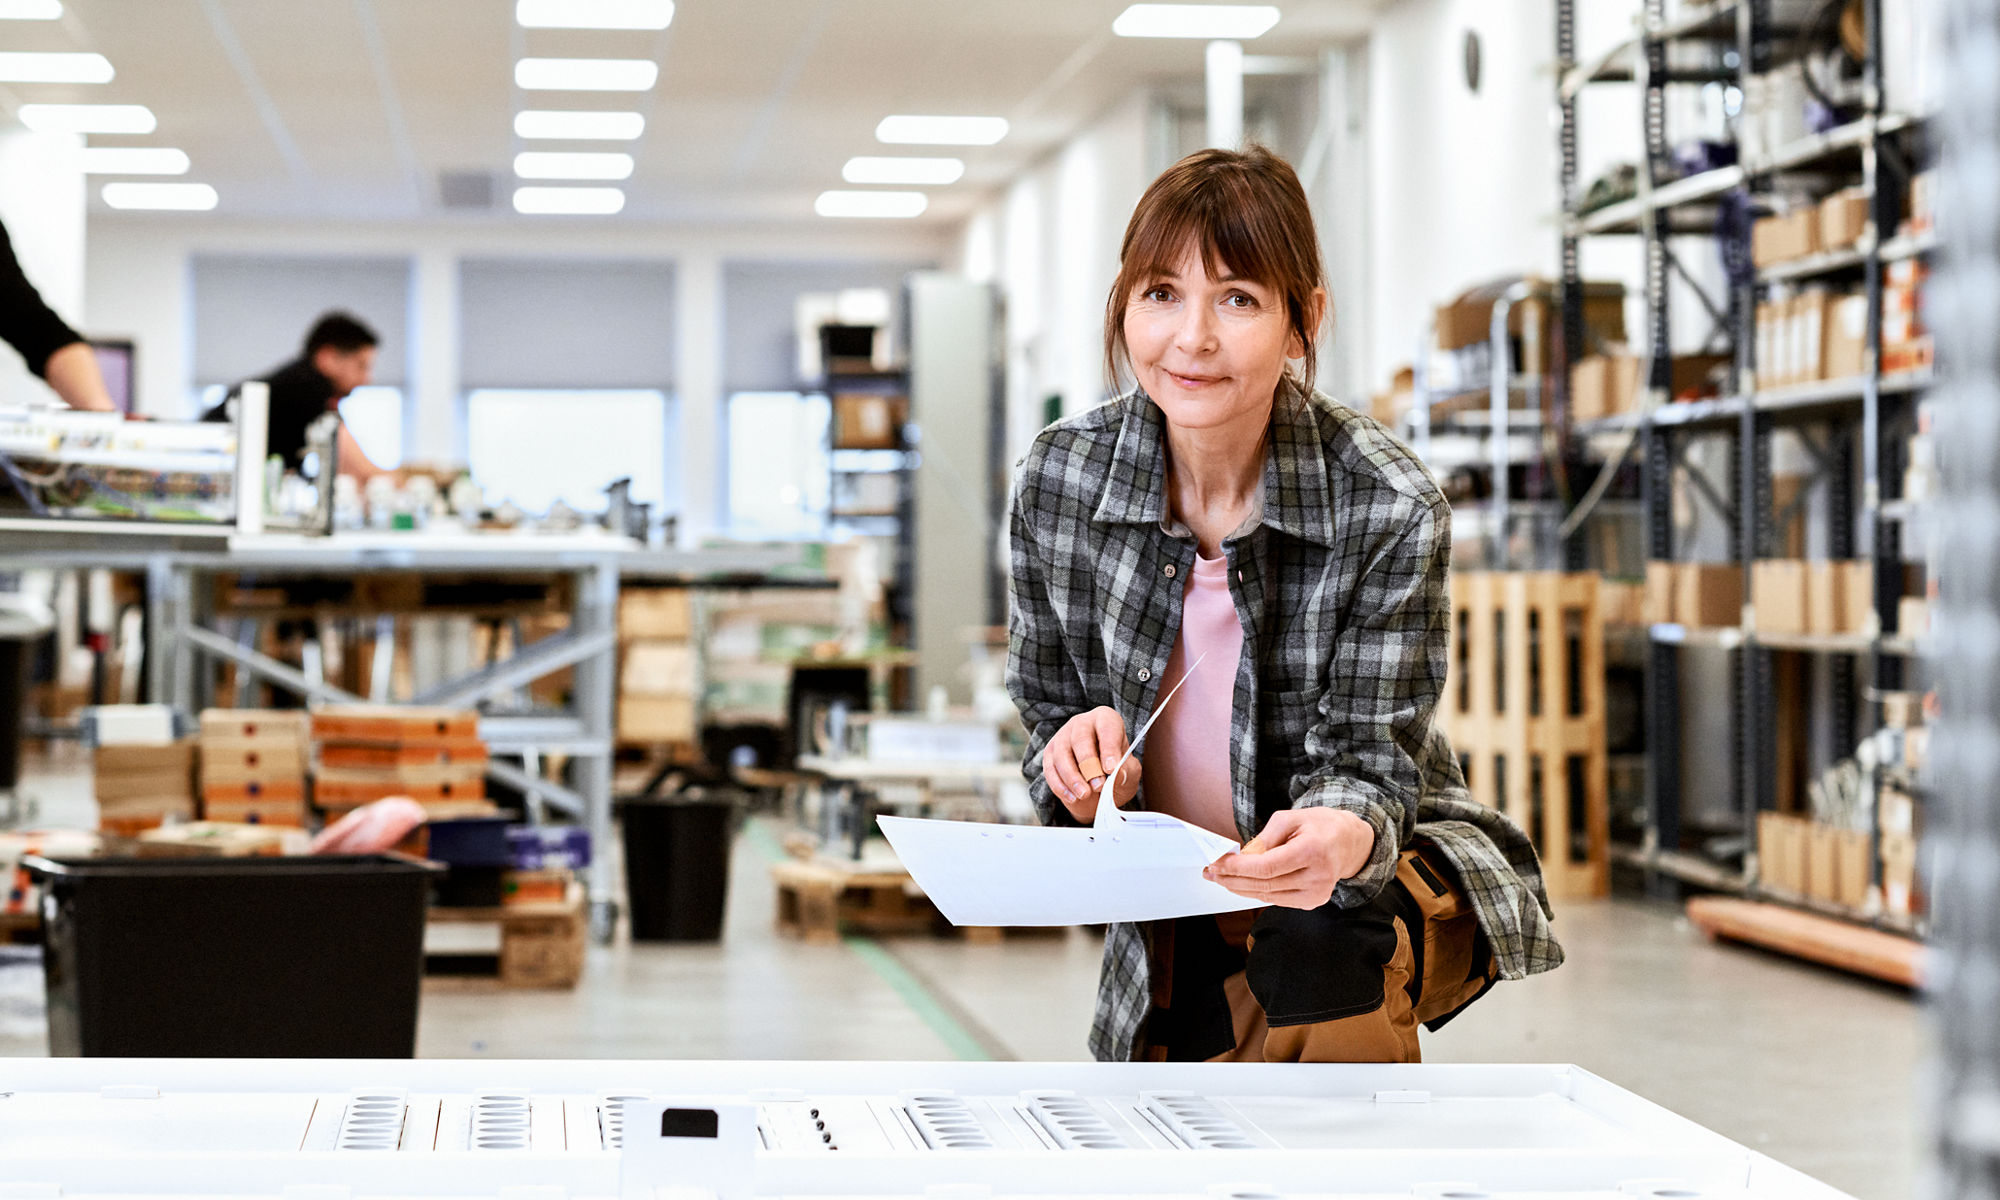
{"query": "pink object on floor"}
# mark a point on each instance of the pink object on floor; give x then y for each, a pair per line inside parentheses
(372, 829)
(1187, 750)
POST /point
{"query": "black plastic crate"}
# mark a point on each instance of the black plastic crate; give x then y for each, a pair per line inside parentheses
(233, 957)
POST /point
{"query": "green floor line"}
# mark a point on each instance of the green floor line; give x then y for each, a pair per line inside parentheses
(962, 1044)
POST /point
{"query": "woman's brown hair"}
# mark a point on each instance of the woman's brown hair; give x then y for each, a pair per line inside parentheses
(1248, 214)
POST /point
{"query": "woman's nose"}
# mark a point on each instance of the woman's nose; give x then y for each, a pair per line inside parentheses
(1196, 331)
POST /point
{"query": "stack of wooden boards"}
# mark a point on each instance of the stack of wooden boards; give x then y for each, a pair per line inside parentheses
(370, 752)
(253, 766)
(656, 666)
(142, 786)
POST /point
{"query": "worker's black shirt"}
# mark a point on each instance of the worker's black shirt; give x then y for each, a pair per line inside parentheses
(299, 395)
(27, 323)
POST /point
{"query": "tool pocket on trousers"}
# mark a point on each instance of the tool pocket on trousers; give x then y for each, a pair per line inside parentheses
(1320, 964)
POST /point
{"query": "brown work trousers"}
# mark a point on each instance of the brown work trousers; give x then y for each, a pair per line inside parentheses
(1437, 963)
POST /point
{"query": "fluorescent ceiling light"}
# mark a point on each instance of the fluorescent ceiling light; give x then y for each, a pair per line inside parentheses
(586, 201)
(134, 160)
(175, 197)
(1236, 22)
(586, 74)
(88, 118)
(30, 10)
(941, 131)
(550, 164)
(580, 126)
(23, 66)
(594, 14)
(870, 204)
(865, 169)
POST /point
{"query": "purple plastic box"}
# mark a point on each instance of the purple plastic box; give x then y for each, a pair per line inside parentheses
(538, 848)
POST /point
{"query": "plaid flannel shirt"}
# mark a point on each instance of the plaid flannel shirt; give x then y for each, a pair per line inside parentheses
(1340, 588)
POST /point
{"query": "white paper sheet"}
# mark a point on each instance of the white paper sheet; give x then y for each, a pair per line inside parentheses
(1133, 867)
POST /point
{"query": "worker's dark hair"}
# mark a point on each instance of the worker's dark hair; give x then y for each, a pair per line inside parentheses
(342, 331)
(1246, 213)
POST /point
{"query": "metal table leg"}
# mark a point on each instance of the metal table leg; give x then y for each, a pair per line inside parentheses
(596, 599)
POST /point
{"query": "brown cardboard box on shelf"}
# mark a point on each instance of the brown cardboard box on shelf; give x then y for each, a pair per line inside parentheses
(1845, 342)
(1603, 385)
(1899, 876)
(1778, 595)
(1856, 580)
(1852, 858)
(1840, 596)
(1896, 814)
(665, 614)
(1808, 335)
(1659, 600)
(1621, 603)
(1822, 862)
(1913, 617)
(657, 669)
(1781, 852)
(865, 421)
(1843, 218)
(1785, 237)
(1469, 317)
(656, 719)
(1790, 538)
(1689, 375)
(1708, 595)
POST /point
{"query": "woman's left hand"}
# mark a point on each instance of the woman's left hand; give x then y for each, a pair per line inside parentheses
(1298, 859)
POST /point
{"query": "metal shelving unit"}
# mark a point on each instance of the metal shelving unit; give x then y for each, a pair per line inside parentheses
(1857, 414)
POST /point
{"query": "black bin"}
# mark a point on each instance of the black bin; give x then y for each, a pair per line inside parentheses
(233, 957)
(677, 866)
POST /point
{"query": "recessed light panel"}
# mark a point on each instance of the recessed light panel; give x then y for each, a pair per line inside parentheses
(941, 131)
(88, 118)
(594, 14)
(569, 201)
(921, 171)
(22, 66)
(170, 197)
(134, 160)
(579, 126)
(586, 74)
(551, 164)
(30, 10)
(871, 204)
(1235, 22)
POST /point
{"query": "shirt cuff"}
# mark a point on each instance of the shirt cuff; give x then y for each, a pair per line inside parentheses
(1364, 885)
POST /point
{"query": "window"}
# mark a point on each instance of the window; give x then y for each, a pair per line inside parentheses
(779, 474)
(374, 415)
(533, 447)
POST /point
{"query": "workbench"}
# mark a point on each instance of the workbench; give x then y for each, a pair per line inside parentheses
(90, 1129)
(179, 560)
(844, 784)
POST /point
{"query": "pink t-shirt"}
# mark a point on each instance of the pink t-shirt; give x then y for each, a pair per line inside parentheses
(1187, 749)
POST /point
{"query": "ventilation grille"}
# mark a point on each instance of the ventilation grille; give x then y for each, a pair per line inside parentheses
(611, 1117)
(1071, 1120)
(500, 1121)
(1196, 1121)
(946, 1122)
(373, 1120)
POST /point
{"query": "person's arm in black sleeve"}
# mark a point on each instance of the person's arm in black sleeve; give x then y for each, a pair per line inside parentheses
(52, 349)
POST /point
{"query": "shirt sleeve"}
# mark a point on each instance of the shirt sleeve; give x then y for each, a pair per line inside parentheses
(27, 323)
(1040, 676)
(1375, 715)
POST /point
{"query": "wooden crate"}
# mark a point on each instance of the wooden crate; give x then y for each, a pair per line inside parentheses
(541, 944)
(393, 724)
(1524, 707)
(819, 899)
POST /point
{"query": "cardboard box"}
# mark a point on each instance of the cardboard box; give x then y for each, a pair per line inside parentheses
(1822, 880)
(660, 614)
(1852, 863)
(1843, 218)
(124, 760)
(1785, 237)
(1806, 338)
(1840, 596)
(1913, 617)
(1603, 385)
(1469, 317)
(1778, 595)
(1902, 710)
(1896, 815)
(866, 421)
(1621, 603)
(210, 839)
(1900, 897)
(1659, 595)
(656, 719)
(1781, 852)
(1791, 538)
(657, 669)
(1708, 595)
(1845, 345)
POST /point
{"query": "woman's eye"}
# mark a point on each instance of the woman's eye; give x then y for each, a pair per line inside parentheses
(1240, 300)
(1158, 295)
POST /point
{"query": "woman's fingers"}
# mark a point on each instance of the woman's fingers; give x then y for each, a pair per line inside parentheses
(1060, 769)
(1108, 735)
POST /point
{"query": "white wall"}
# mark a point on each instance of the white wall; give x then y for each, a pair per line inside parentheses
(139, 286)
(42, 205)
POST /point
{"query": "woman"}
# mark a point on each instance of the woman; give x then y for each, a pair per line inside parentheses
(1224, 513)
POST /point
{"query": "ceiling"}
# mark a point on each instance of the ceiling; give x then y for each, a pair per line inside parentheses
(352, 109)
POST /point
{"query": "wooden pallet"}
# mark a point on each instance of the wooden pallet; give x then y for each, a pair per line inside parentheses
(1524, 707)
(1826, 940)
(819, 900)
(541, 944)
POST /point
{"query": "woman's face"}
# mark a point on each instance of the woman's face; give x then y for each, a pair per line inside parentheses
(1208, 351)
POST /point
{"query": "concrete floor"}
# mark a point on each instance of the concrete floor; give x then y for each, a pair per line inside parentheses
(1812, 1067)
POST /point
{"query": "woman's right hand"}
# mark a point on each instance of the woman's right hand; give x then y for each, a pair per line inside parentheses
(1076, 759)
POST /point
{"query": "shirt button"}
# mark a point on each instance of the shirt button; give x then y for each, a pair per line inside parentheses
(1170, 570)
(1145, 674)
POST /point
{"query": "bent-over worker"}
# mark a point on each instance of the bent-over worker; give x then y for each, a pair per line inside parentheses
(1223, 511)
(338, 357)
